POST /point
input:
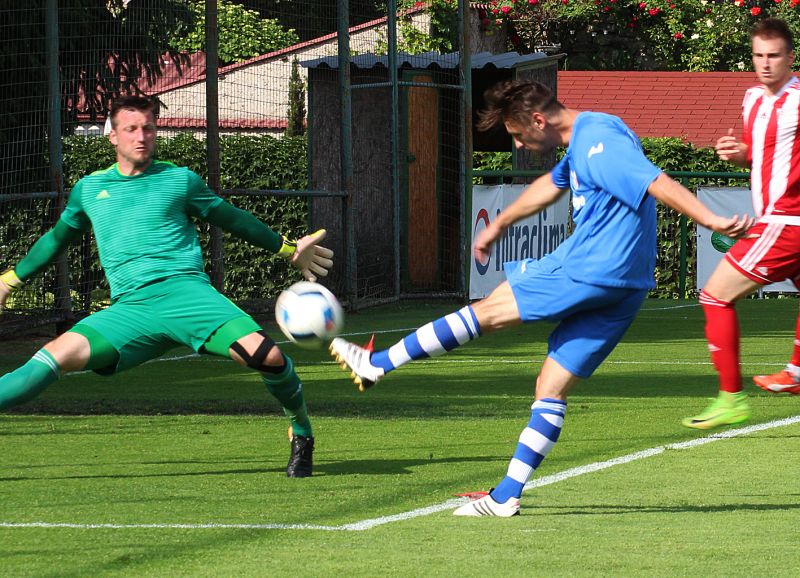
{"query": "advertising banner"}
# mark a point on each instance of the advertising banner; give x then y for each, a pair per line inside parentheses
(532, 237)
(726, 201)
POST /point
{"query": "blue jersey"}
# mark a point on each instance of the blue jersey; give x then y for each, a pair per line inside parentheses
(614, 241)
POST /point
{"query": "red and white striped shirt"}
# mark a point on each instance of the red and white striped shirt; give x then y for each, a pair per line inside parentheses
(771, 134)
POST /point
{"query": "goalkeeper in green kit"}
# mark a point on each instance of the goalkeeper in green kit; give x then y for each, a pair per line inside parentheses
(140, 210)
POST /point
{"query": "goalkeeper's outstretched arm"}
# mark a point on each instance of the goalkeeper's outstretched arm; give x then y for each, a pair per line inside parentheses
(305, 254)
(44, 251)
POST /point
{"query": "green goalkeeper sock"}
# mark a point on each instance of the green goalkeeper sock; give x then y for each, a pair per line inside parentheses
(28, 381)
(288, 390)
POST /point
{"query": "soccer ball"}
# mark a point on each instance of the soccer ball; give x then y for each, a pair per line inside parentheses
(721, 243)
(309, 314)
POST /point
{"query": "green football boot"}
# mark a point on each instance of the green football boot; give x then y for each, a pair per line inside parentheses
(727, 409)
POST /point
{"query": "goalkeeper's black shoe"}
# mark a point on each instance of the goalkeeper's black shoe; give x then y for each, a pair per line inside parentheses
(300, 462)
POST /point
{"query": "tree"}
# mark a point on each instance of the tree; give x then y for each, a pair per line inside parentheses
(692, 35)
(315, 18)
(243, 34)
(297, 103)
(105, 49)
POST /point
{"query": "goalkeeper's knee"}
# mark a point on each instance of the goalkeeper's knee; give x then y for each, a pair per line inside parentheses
(258, 359)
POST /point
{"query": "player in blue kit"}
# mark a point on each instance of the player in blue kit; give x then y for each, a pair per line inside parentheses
(592, 285)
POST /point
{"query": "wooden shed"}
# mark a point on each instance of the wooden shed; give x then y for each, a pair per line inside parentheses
(431, 145)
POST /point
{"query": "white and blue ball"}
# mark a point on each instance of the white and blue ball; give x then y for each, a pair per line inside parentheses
(309, 314)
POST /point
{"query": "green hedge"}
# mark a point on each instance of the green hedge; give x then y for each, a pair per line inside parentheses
(671, 154)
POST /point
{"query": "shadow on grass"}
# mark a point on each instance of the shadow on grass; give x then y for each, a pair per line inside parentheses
(407, 394)
(373, 467)
(609, 509)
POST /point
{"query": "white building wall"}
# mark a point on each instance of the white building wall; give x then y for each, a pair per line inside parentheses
(255, 94)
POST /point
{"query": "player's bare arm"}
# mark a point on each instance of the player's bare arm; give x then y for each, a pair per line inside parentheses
(539, 195)
(678, 197)
(730, 149)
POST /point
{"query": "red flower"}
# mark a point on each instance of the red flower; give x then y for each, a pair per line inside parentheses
(755, 11)
(419, 4)
(642, 5)
(672, 5)
(533, 2)
(505, 9)
(677, 36)
(653, 11)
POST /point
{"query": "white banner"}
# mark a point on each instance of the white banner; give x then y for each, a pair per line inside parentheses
(531, 237)
(725, 201)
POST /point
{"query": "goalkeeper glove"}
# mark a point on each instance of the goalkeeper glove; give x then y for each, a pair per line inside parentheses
(305, 254)
(9, 282)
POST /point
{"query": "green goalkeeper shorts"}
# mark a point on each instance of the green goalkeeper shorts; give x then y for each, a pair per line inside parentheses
(181, 310)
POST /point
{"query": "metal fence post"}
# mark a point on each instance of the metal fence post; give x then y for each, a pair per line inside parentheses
(63, 302)
(395, 135)
(684, 242)
(466, 153)
(216, 242)
(346, 145)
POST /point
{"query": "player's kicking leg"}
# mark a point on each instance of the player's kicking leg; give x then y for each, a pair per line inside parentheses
(430, 340)
(366, 367)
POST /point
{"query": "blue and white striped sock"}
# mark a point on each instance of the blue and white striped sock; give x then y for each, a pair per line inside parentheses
(535, 442)
(435, 338)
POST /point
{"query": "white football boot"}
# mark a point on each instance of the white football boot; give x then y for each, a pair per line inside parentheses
(486, 506)
(356, 358)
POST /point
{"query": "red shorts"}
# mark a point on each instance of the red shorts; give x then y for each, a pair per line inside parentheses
(770, 254)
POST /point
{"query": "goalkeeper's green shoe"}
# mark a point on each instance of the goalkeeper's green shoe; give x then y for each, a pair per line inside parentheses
(727, 409)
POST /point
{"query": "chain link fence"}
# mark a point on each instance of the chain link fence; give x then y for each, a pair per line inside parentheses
(270, 102)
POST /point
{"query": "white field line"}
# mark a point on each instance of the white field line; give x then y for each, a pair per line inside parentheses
(419, 512)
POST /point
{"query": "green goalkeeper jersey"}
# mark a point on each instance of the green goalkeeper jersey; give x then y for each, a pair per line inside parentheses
(142, 223)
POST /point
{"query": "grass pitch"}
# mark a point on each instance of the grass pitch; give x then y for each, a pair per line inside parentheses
(176, 468)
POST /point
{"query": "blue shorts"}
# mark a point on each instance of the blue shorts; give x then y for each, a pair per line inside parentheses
(591, 318)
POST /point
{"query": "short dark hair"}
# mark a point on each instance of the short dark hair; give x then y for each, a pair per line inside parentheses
(774, 28)
(515, 100)
(131, 102)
